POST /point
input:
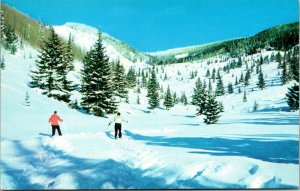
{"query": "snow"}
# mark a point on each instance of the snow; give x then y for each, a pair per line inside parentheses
(159, 149)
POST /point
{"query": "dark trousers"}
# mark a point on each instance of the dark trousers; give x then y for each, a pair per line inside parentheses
(54, 127)
(118, 129)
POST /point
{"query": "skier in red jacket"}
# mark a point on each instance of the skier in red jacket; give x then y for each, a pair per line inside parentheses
(54, 119)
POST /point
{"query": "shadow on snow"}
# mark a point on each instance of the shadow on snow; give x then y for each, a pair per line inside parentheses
(270, 150)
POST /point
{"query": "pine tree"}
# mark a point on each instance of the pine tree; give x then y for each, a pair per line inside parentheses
(175, 100)
(97, 93)
(247, 78)
(198, 90)
(10, 39)
(213, 76)
(144, 80)
(207, 73)
(293, 92)
(293, 97)
(131, 77)
(221, 106)
(261, 82)
(212, 110)
(202, 102)
(284, 74)
(279, 59)
(230, 88)
(183, 99)
(153, 90)
(51, 72)
(119, 82)
(69, 55)
(220, 87)
(168, 103)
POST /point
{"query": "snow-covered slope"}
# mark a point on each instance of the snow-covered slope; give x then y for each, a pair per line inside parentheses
(160, 149)
(85, 37)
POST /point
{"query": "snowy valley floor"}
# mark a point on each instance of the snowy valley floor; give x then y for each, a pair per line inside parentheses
(163, 149)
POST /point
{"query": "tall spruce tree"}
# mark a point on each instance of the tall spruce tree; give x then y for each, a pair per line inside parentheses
(247, 78)
(153, 87)
(198, 90)
(131, 77)
(220, 87)
(284, 74)
(211, 110)
(10, 39)
(168, 103)
(69, 54)
(119, 80)
(261, 81)
(293, 92)
(97, 93)
(51, 72)
(183, 99)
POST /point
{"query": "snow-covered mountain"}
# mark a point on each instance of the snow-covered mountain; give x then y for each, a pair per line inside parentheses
(85, 37)
(160, 149)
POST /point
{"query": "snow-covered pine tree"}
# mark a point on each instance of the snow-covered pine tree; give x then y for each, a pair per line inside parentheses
(168, 103)
(97, 93)
(230, 88)
(293, 92)
(183, 99)
(175, 99)
(247, 78)
(212, 110)
(69, 54)
(198, 90)
(207, 73)
(119, 80)
(221, 106)
(10, 39)
(284, 75)
(131, 77)
(51, 73)
(213, 76)
(261, 82)
(153, 87)
(220, 87)
(293, 97)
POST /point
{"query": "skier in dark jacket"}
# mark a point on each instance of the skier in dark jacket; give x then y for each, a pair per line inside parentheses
(118, 124)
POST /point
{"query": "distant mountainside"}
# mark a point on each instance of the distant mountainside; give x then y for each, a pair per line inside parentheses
(281, 37)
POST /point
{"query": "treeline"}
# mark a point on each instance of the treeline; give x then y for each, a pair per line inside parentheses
(29, 30)
(280, 38)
